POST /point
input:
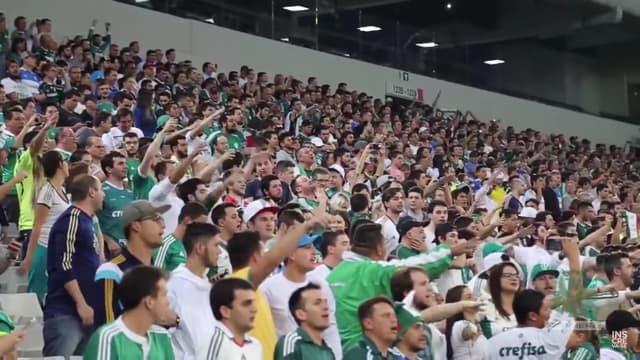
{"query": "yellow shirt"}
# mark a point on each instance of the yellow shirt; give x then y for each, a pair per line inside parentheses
(265, 329)
(25, 192)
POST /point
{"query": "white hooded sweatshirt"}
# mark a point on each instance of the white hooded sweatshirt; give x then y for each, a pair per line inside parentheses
(189, 298)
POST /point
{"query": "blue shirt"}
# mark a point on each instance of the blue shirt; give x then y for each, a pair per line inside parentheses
(71, 255)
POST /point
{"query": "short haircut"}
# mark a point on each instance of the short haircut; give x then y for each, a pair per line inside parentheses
(223, 294)
(401, 283)
(295, 300)
(328, 239)
(415, 190)
(219, 212)
(284, 165)
(198, 233)
(365, 310)
(290, 217)
(192, 210)
(77, 156)
(101, 117)
(79, 188)
(319, 171)
(265, 182)
(434, 203)
(242, 246)
(525, 302)
(366, 237)
(138, 283)
(189, 187)
(613, 261)
(108, 160)
(357, 188)
(389, 193)
(359, 202)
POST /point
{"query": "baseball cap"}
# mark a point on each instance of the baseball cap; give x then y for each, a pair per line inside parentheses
(139, 210)
(162, 119)
(495, 259)
(621, 319)
(542, 269)
(256, 207)
(317, 142)
(407, 223)
(308, 239)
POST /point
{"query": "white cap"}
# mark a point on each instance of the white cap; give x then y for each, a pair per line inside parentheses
(338, 168)
(317, 141)
(496, 258)
(423, 129)
(256, 207)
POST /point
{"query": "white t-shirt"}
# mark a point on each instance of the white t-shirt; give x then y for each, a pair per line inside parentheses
(49, 197)
(163, 193)
(429, 237)
(319, 274)
(448, 279)
(477, 349)
(389, 232)
(277, 290)
(495, 323)
(529, 343)
(194, 142)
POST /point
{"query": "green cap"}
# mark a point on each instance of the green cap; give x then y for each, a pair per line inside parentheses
(490, 248)
(406, 319)
(542, 269)
(106, 107)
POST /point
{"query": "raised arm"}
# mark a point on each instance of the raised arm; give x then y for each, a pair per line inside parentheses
(154, 148)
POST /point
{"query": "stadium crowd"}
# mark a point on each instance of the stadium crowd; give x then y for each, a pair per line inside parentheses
(173, 211)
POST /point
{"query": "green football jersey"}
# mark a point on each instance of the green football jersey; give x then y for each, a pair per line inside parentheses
(115, 341)
(403, 252)
(297, 345)
(115, 200)
(589, 308)
(170, 254)
(132, 168)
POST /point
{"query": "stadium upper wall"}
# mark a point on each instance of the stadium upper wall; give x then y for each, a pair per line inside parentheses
(200, 42)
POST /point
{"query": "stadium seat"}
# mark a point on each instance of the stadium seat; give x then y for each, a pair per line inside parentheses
(33, 341)
(21, 308)
(12, 282)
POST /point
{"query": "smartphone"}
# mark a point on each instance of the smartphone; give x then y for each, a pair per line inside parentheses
(375, 146)
(553, 244)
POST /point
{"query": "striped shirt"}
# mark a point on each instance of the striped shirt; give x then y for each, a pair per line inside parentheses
(170, 254)
(71, 256)
(223, 346)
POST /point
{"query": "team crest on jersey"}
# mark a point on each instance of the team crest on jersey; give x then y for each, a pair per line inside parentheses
(526, 349)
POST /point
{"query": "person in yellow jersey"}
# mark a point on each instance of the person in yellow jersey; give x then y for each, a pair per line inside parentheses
(250, 262)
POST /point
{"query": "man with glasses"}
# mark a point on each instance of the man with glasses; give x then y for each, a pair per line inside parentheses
(143, 227)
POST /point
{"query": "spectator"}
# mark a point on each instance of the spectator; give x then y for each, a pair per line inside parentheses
(72, 261)
(189, 289)
(412, 239)
(380, 328)
(172, 252)
(309, 307)
(465, 341)
(117, 197)
(234, 305)
(411, 333)
(145, 303)
(332, 246)
(113, 140)
(143, 226)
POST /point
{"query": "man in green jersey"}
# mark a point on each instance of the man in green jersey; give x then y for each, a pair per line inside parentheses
(305, 190)
(379, 325)
(309, 307)
(16, 127)
(172, 252)
(99, 44)
(364, 273)
(117, 197)
(613, 271)
(229, 129)
(131, 144)
(412, 238)
(133, 335)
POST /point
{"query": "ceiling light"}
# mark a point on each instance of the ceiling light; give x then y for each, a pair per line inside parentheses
(347, 54)
(449, 6)
(141, 1)
(210, 20)
(430, 44)
(369, 28)
(294, 8)
(285, 39)
(494, 62)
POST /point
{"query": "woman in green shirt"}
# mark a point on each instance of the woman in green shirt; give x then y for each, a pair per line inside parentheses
(583, 343)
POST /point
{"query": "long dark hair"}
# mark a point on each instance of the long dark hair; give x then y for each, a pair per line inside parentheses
(453, 295)
(495, 288)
